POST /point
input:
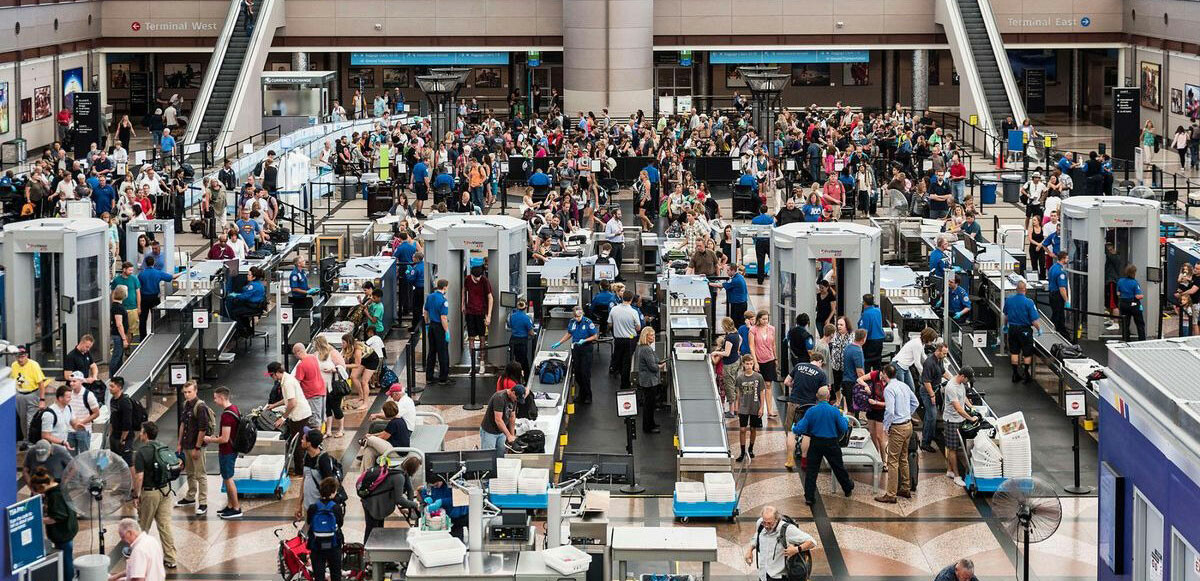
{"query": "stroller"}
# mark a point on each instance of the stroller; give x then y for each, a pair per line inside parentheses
(294, 564)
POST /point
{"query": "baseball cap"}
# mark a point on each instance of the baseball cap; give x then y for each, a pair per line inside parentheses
(22, 351)
(76, 375)
(396, 387)
(41, 450)
(519, 390)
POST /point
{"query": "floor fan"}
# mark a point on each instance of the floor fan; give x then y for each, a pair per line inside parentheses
(1029, 511)
(97, 482)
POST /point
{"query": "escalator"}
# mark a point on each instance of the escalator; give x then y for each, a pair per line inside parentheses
(989, 88)
(227, 77)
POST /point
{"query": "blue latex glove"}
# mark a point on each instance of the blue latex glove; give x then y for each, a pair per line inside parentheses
(555, 346)
(1039, 331)
(1067, 304)
(447, 336)
(579, 343)
(1004, 330)
(957, 316)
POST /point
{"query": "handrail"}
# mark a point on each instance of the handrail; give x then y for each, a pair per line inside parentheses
(236, 146)
(1006, 74)
(200, 106)
(258, 37)
(307, 219)
(971, 68)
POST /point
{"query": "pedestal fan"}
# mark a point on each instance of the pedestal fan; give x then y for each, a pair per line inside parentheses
(1029, 511)
(97, 482)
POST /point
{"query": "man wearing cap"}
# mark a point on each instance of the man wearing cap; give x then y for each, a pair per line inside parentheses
(496, 429)
(296, 412)
(406, 407)
(31, 386)
(85, 408)
(1034, 192)
(53, 457)
(477, 304)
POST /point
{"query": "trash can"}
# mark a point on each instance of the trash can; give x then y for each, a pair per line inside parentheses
(1012, 187)
(92, 567)
(987, 189)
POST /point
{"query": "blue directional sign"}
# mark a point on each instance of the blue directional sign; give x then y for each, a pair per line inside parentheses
(26, 534)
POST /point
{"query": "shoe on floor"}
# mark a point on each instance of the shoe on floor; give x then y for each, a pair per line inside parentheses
(849, 491)
(928, 448)
(904, 494)
(886, 499)
(229, 514)
(201, 509)
(950, 474)
(170, 565)
(959, 481)
(729, 415)
(185, 502)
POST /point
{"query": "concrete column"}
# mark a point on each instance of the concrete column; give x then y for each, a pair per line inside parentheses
(630, 56)
(701, 80)
(920, 61)
(585, 55)
(889, 82)
(299, 61)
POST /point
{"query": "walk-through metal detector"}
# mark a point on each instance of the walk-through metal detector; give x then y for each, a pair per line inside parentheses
(844, 253)
(161, 230)
(500, 244)
(1131, 226)
(59, 267)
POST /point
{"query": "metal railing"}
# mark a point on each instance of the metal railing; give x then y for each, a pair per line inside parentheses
(236, 148)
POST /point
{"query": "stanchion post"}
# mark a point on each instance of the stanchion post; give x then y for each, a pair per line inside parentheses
(472, 405)
(1077, 488)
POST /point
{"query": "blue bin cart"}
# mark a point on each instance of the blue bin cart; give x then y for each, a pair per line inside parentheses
(276, 488)
(686, 510)
(521, 501)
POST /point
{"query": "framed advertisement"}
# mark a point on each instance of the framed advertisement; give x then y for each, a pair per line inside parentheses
(810, 75)
(733, 79)
(487, 78)
(4, 124)
(27, 110)
(1191, 101)
(1151, 85)
(72, 82)
(41, 102)
(361, 77)
(1177, 101)
(397, 77)
(118, 76)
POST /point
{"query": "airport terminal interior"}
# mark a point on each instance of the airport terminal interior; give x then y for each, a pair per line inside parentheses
(511, 290)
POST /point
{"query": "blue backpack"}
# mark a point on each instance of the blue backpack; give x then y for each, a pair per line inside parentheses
(551, 371)
(323, 533)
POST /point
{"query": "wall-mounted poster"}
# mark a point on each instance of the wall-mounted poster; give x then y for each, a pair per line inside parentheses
(118, 76)
(1150, 85)
(1177, 101)
(810, 75)
(487, 78)
(856, 74)
(361, 77)
(397, 77)
(41, 102)
(733, 78)
(27, 110)
(4, 125)
(1191, 101)
(183, 75)
(72, 82)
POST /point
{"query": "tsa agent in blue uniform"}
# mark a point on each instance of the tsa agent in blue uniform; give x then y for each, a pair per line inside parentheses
(824, 425)
(1022, 318)
(1060, 301)
(520, 327)
(871, 320)
(737, 296)
(403, 254)
(939, 258)
(420, 185)
(582, 333)
(415, 276)
(960, 302)
(1129, 301)
(301, 294)
(249, 301)
(762, 244)
(437, 326)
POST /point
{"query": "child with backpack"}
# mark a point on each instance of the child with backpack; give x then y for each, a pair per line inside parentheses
(325, 518)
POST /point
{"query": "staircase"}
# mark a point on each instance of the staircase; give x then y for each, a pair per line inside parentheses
(985, 61)
(227, 77)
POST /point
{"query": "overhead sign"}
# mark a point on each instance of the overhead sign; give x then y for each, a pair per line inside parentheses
(26, 534)
(1127, 119)
(359, 59)
(534, 58)
(747, 57)
(86, 112)
(685, 58)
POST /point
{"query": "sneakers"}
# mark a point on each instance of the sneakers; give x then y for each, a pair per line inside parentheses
(959, 481)
(951, 475)
(228, 513)
(185, 502)
(201, 509)
(729, 415)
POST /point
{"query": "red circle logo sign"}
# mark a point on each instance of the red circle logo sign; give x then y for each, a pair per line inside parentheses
(626, 405)
(1074, 405)
(136, 26)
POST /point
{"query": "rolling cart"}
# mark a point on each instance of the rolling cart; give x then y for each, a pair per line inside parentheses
(279, 482)
(971, 481)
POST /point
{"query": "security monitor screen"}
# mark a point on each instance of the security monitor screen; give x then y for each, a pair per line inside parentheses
(605, 272)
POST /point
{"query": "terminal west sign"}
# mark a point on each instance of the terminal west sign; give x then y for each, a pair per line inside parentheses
(172, 26)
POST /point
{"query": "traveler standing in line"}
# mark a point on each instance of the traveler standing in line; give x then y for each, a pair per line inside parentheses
(762, 347)
(118, 328)
(853, 365)
(151, 487)
(121, 427)
(803, 382)
(437, 328)
(325, 519)
(737, 296)
(649, 379)
(823, 426)
(751, 390)
(145, 560)
(296, 413)
(478, 303)
(762, 244)
(932, 374)
(625, 323)
(520, 327)
(312, 381)
(728, 354)
(193, 427)
(58, 518)
(956, 411)
(332, 365)
(899, 405)
(1129, 299)
(871, 320)
(226, 455)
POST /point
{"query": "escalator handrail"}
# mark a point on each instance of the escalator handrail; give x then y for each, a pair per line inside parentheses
(956, 21)
(1010, 82)
(258, 36)
(200, 105)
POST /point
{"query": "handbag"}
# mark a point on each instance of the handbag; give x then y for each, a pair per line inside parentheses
(340, 387)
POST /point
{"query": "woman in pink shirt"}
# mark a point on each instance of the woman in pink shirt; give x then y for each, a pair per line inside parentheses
(762, 347)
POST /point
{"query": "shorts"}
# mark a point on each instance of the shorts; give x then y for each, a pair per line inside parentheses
(1020, 341)
(749, 420)
(950, 436)
(476, 326)
(227, 462)
(875, 415)
(767, 369)
(1110, 295)
(371, 361)
(795, 411)
(421, 190)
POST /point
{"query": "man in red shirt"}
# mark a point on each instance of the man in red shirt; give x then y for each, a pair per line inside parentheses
(312, 382)
(958, 179)
(477, 305)
(226, 455)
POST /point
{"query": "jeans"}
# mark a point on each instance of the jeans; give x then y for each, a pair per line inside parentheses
(959, 188)
(80, 440)
(904, 375)
(929, 419)
(67, 557)
(1194, 150)
(490, 441)
(118, 355)
(477, 197)
(439, 353)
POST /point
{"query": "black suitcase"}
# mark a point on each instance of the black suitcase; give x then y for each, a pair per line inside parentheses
(914, 461)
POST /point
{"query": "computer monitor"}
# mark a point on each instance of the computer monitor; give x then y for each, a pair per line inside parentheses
(47, 569)
(508, 300)
(604, 272)
(586, 272)
(575, 463)
(438, 464)
(643, 288)
(610, 468)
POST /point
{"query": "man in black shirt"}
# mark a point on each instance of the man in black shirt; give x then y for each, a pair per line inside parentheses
(803, 382)
(932, 373)
(789, 213)
(496, 429)
(80, 359)
(121, 421)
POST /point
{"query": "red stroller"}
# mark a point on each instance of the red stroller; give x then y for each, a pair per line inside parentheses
(294, 563)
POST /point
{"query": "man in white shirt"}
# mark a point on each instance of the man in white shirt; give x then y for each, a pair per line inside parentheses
(614, 234)
(57, 425)
(145, 560)
(85, 408)
(768, 552)
(171, 116)
(296, 412)
(406, 405)
(912, 354)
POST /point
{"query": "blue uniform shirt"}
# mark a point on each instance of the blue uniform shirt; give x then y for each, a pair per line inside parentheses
(763, 220)
(1020, 310)
(1128, 288)
(748, 180)
(252, 293)
(603, 299)
(959, 300)
(435, 307)
(744, 347)
(1065, 165)
(520, 324)
(415, 275)
(419, 172)
(938, 261)
(298, 280)
(443, 179)
(652, 173)
(539, 179)
(1057, 277)
(852, 360)
(582, 329)
(735, 289)
(149, 279)
(1053, 241)
(871, 319)
(822, 421)
(405, 251)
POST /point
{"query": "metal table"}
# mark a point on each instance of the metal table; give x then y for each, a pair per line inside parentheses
(477, 566)
(387, 546)
(663, 544)
(868, 455)
(532, 567)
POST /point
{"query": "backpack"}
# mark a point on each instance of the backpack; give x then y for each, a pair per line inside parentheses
(369, 482)
(140, 415)
(336, 472)
(38, 422)
(245, 433)
(532, 442)
(212, 418)
(552, 371)
(165, 466)
(323, 532)
(387, 377)
(280, 235)
(795, 568)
